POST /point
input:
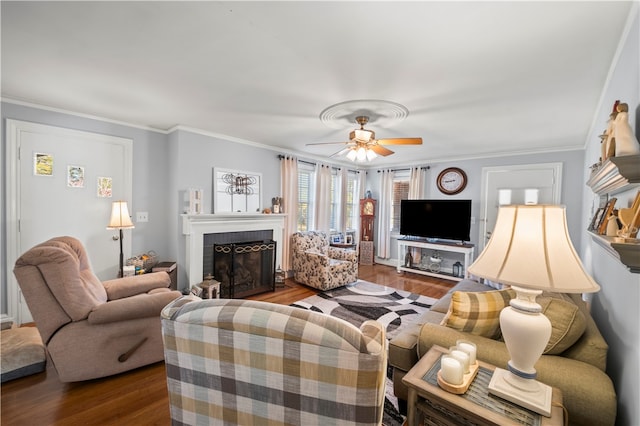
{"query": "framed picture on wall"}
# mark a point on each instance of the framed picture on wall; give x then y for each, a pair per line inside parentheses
(42, 164)
(105, 187)
(75, 176)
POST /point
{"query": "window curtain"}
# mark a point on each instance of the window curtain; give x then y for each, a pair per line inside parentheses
(289, 181)
(384, 219)
(342, 206)
(322, 213)
(362, 181)
(417, 183)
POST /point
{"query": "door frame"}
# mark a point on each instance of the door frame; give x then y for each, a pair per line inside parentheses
(14, 130)
(487, 171)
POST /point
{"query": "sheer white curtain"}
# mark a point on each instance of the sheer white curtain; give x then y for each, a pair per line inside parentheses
(289, 181)
(417, 183)
(362, 181)
(323, 198)
(384, 219)
(342, 194)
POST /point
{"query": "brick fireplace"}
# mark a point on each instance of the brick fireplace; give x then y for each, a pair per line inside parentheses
(197, 229)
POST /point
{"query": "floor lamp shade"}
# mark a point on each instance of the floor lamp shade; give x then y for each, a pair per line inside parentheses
(530, 249)
(120, 220)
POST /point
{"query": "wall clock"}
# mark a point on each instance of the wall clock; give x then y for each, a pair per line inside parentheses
(452, 180)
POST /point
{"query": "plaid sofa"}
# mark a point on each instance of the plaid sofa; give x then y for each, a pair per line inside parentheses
(249, 362)
(317, 264)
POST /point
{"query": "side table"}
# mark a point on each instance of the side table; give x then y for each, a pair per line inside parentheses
(430, 404)
(366, 252)
(170, 268)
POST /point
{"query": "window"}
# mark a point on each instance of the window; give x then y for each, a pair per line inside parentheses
(400, 192)
(335, 201)
(306, 177)
(352, 202)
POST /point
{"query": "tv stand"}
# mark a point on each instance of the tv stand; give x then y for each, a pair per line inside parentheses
(443, 247)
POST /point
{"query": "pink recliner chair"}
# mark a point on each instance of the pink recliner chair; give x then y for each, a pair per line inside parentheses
(91, 328)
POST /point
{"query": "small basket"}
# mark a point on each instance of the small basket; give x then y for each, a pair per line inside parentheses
(144, 261)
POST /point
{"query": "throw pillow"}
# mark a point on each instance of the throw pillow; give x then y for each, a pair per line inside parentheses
(567, 323)
(477, 312)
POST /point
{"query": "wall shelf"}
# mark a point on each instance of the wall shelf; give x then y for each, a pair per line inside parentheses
(615, 175)
(626, 250)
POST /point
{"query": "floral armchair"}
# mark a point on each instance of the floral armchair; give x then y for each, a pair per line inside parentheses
(317, 264)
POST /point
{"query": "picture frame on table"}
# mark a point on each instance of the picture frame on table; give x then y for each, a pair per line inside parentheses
(336, 239)
(608, 211)
(348, 239)
(596, 220)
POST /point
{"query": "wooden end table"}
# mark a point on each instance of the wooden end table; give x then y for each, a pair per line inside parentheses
(430, 404)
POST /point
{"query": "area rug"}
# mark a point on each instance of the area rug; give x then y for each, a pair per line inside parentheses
(363, 301)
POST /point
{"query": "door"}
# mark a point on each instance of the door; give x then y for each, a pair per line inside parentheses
(60, 182)
(516, 185)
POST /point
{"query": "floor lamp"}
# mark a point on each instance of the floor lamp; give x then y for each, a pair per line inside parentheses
(531, 251)
(120, 220)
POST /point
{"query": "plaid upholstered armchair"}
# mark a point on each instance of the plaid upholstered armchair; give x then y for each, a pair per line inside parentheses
(246, 362)
(317, 264)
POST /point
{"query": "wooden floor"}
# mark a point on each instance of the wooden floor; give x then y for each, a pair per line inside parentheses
(140, 397)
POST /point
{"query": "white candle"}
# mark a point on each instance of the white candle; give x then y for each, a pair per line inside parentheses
(460, 356)
(469, 348)
(451, 370)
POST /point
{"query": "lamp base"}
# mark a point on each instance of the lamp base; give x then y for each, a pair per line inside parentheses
(527, 393)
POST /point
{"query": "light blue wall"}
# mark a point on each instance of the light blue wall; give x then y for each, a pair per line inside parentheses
(193, 159)
(164, 166)
(572, 185)
(150, 179)
(616, 308)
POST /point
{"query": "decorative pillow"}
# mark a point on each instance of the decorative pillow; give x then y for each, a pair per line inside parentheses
(567, 323)
(477, 312)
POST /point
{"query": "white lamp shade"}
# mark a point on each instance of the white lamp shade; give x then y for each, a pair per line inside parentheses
(120, 216)
(530, 247)
(371, 154)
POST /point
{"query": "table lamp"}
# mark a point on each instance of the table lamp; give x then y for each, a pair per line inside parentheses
(120, 220)
(531, 251)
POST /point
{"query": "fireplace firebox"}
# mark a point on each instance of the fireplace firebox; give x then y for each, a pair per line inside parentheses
(245, 268)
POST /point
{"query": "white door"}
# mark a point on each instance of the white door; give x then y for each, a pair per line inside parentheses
(64, 199)
(510, 185)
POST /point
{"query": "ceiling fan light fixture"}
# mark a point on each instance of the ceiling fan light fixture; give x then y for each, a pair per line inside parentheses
(352, 154)
(361, 155)
(371, 154)
(362, 135)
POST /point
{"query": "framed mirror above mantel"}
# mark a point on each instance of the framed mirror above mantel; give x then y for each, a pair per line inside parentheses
(236, 191)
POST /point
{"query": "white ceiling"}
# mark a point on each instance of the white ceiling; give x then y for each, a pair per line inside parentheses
(478, 78)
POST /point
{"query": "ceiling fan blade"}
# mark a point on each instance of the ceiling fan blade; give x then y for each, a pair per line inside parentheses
(327, 143)
(341, 152)
(400, 141)
(381, 150)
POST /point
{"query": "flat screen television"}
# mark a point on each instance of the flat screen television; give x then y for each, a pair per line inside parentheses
(436, 219)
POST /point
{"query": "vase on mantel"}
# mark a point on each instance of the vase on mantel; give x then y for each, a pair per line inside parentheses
(626, 142)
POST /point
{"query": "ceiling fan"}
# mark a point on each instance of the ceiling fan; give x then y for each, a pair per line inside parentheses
(363, 145)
